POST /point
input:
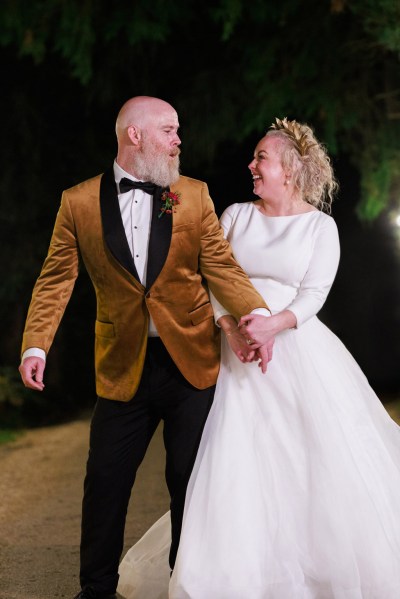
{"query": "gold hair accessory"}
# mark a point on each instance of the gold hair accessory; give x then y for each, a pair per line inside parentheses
(292, 130)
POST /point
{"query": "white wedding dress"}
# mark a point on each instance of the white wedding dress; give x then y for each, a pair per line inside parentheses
(295, 493)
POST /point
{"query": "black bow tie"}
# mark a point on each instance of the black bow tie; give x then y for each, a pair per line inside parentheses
(127, 184)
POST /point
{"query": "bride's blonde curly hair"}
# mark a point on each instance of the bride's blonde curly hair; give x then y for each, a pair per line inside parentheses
(307, 161)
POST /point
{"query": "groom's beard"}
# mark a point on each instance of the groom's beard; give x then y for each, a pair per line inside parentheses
(154, 163)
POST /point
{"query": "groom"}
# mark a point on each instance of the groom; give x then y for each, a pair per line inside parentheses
(151, 243)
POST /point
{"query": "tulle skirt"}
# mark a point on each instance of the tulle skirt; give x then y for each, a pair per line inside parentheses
(295, 493)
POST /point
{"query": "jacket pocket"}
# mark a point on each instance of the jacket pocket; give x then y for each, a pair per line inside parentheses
(104, 329)
(201, 313)
(183, 227)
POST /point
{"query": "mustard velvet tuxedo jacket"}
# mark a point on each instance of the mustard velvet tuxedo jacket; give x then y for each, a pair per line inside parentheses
(187, 252)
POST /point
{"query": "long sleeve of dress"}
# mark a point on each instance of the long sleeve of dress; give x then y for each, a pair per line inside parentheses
(321, 272)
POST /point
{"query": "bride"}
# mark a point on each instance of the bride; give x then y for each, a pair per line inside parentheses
(295, 493)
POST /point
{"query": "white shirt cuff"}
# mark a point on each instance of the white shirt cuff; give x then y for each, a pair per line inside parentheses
(261, 312)
(34, 351)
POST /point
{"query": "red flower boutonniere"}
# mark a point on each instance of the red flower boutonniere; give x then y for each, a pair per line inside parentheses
(169, 201)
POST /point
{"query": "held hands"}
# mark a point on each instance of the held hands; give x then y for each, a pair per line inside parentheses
(248, 352)
(260, 331)
(239, 346)
(31, 371)
(238, 339)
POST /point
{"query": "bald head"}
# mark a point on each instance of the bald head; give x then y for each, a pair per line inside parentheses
(148, 141)
(139, 112)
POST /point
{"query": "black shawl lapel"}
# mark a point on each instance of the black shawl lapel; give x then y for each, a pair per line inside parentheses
(160, 240)
(113, 228)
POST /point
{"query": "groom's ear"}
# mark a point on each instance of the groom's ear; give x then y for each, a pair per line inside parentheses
(134, 134)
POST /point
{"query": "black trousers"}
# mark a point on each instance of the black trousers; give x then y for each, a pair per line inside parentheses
(119, 437)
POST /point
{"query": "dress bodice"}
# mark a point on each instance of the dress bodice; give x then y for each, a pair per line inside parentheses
(291, 260)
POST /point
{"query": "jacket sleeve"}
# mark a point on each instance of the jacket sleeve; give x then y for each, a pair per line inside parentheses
(54, 286)
(226, 280)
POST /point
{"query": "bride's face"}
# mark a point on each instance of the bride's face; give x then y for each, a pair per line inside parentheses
(269, 178)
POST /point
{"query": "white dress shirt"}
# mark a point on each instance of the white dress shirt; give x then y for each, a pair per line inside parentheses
(136, 208)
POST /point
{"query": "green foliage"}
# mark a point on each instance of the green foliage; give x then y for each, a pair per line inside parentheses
(12, 397)
(381, 20)
(11, 388)
(231, 70)
(379, 179)
(7, 436)
(228, 14)
(376, 186)
(21, 407)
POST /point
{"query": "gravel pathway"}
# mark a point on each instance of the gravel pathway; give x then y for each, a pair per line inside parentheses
(41, 479)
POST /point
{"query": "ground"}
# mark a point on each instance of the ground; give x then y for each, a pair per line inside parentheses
(41, 492)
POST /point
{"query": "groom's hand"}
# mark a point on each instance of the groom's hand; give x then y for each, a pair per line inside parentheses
(239, 346)
(31, 370)
(260, 332)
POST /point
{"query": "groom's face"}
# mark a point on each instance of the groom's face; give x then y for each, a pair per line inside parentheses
(158, 158)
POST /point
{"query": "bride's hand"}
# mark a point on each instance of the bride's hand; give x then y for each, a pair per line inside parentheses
(259, 330)
(256, 329)
(264, 354)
